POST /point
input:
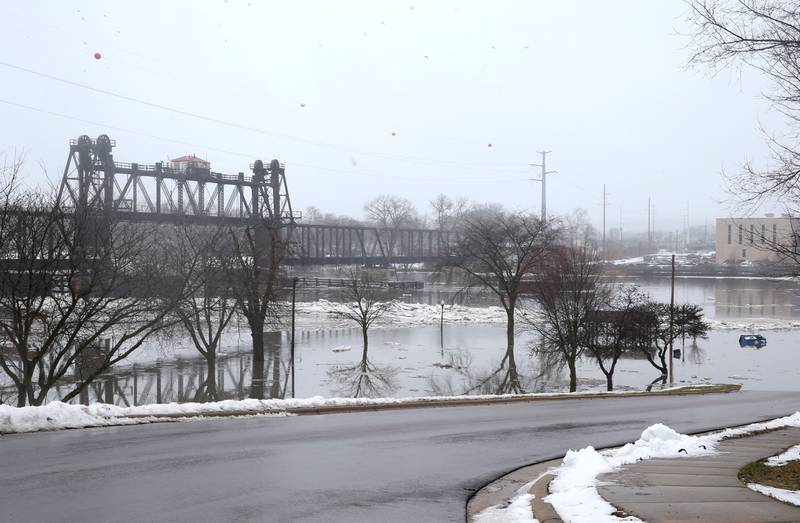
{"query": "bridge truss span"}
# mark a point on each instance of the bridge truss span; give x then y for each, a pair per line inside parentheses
(347, 244)
(94, 183)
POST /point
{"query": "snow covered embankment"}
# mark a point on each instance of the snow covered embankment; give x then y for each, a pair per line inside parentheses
(58, 415)
(787, 496)
(573, 492)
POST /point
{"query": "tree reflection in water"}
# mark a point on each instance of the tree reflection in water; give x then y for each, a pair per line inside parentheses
(695, 354)
(364, 379)
(505, 378)
(265, 379)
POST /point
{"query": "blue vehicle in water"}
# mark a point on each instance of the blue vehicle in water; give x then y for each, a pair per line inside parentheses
(752, 340)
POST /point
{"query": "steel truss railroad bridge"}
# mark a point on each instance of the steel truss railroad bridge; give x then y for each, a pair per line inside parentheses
(94, 182)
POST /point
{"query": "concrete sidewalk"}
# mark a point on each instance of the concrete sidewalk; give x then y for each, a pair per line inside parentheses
(704, 488)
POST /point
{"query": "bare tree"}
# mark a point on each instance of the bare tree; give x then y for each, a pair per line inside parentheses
(442, 206)
(201, 255)
(363, 306)
(577, 228)
(447, 211)
(258, 252)
(612, 330)
(654, 333)
(568, 293)
(312, 215)
(78, 294)
(765, 35)
(391, 211)
(499, 249)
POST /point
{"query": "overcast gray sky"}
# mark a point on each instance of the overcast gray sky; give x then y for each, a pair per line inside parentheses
(324, 85)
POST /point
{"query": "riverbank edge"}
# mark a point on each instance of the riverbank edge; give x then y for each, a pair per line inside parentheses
(453, 402)
(62, 416)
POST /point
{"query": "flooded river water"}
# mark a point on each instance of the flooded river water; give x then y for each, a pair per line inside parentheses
(414, 360)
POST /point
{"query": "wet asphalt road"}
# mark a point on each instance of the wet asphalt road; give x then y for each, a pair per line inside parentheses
(407, 465)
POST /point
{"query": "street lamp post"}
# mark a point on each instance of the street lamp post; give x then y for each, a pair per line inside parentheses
(441, 327)
(672, 322)
(291, 349)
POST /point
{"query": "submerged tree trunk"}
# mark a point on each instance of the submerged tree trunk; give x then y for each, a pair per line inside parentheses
(510, 330)
(257, 379)
(365, 336)
(662, 379)
(573, 375)
(257, 332)
(514, 385)
(208, 392)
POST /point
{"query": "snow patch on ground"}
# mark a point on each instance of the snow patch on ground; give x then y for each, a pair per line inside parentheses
(792, 454)
(787, 496)
(518, 511)
(573, 491)
(59, 415)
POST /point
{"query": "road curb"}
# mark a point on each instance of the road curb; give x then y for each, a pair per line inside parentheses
(501, 489)
(341, 409)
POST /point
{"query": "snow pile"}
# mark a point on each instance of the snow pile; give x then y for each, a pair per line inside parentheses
(573, 492)
(58, 415)
(787, 496)
(518, 511)
(792, 454)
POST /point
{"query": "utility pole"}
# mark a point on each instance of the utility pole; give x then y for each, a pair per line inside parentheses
(543, 179)
(441, 328)
(688, 229)
(649, 230)
(655, 238)
(605, 258)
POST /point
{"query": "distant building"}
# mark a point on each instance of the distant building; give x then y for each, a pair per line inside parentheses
(751, 239)
(184, 162)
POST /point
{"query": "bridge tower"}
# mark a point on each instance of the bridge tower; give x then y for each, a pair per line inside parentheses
(100, 190)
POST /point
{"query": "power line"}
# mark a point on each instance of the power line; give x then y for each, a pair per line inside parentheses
(248, 155)
(249, 128)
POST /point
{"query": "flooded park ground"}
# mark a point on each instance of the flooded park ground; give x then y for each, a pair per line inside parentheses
(411, 354)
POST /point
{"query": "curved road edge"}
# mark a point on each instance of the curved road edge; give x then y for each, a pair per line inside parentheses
(534, 476)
